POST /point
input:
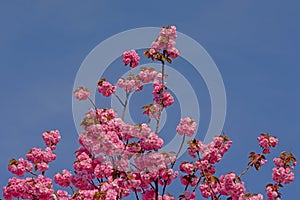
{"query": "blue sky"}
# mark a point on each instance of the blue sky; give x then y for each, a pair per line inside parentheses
(255, 45)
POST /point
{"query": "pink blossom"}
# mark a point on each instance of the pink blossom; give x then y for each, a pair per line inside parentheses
(266, 141)
(162, 97)
(131, 58)
(165, 41)
(149, 195)
(151, 142)
(130, 84)
(103, 170)
(63, 195)
(188, 195)
(83, 163)
(105, 88)
(81, 180)
(81, 93)
(15, 189)
(272, 193)
(166, 98)
(283, 175)
(231, 186)
(147, 75)
(254, 197)
(41, 158)
(153, 110)
(205, 167)
(187, 167)
(51, 138)
(63, 179)
(42, 167)
(19, 167)
(187, 126)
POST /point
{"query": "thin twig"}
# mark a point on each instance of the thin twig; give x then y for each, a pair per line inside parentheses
(125, 105)
(121, 102)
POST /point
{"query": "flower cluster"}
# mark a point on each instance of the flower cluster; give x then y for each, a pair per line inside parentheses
(130, 84)
(147, 75)
(105, 88)
(131, 58)
(81, 93)
(160, 96)
(187, 126)
(29, 188)
(266, 141)
(19, 167)
(166, 42)
(51, 138)
(39, 187)
(283, 172)
(63, 179)
(152, 110)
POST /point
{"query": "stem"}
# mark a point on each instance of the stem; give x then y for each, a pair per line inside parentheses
(186, 187)
(72, 189)
(172, 166)
(125, 105)
(162, 82)
(181, 145)
(248, 167)
(121, 102)
(136, 195)
(197, 184)
(30, 172)
(156, 189)
(245, 171)
(161, 93)
(95, 107)
(157, 124)
(163, 74)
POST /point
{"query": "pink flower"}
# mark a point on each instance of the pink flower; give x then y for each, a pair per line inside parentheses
(272, 192)
(173, 52)
(51, 138)
(39, 157)
(214, 151)
(105, 88)
(42, 167)
(83, 163)
(131, 58)
(19, 167)
(149, 195)
(81, 180)
(151, 142)
(81, 93)
(283, 175)
(266, 141)
(162, 97)
(205, 167)
(30, 188)
(63, 195)
(187, 126)
(103, 170)
(15, 189)
(254, 197)
(152, 110)
(187, 167)
(147, 75)
(188, 195)
(63, 179)
(165, 41)
(231, 186)
(130, 84)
